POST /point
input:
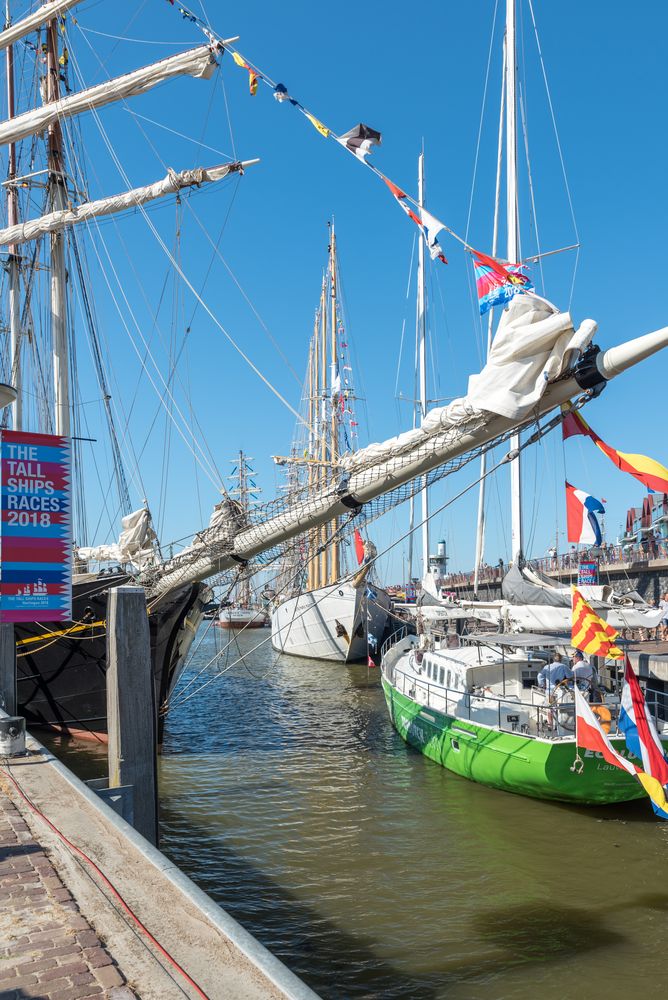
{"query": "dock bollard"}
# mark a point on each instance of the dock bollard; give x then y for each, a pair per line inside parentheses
(12, 736)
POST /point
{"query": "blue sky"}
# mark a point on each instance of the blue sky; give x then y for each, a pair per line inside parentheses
(414, 80)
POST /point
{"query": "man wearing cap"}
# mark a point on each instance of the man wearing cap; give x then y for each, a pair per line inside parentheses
(582, 672)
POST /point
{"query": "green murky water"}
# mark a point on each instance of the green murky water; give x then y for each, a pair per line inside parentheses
(373, 872)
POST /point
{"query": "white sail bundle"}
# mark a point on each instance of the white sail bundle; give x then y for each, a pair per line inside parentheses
(548, 379)
(534, 344)
(135, 544)
(13, 32)
(198, 62)
(54, 221)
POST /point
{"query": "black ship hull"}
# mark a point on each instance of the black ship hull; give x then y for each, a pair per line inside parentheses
(61, 669)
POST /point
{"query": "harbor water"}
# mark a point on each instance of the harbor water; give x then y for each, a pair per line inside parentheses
(373, 872)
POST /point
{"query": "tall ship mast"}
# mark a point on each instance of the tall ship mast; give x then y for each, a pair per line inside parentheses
(242, 611)
(325, 609)
(340, 489)
(61, 671)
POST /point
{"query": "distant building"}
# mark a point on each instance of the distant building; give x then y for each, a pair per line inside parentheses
(647, 523)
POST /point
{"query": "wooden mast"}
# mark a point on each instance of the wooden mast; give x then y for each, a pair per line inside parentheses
(321, 423)
(57, 199)
(14, 261)
(311, 477)
(334, 561)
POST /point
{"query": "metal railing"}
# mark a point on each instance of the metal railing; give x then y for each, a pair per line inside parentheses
(551, 721)
(393, 639)
(608, 555)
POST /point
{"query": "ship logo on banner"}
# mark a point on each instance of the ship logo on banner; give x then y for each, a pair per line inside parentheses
(36, 539)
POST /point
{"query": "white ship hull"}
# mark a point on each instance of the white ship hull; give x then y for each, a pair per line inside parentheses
(330, 623)
(242, 618)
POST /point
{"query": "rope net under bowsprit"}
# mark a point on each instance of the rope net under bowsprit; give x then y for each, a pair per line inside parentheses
(221, 544)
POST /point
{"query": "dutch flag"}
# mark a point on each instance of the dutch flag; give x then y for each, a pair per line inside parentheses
(581, 511)
(642, 739)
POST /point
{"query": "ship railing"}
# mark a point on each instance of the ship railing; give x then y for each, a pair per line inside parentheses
(553, 720)
(393, 639)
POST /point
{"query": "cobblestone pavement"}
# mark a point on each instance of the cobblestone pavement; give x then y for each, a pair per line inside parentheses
(47, 948)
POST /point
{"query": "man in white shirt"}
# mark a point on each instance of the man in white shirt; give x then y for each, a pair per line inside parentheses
(581, 671)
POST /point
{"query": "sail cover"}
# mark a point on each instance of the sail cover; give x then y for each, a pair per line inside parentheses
(534, 344)
(198, 62)
(45, 13)
(135, 544)
(55, 221)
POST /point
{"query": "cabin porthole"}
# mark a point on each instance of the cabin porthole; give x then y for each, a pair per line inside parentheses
(455, 745)
(340, 593)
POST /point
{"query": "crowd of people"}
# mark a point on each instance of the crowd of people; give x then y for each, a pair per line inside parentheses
(651, 547)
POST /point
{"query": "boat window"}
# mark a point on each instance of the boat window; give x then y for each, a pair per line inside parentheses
(442, 675)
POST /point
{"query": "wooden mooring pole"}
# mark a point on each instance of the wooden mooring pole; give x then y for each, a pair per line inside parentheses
(7, 669)
(131, 711)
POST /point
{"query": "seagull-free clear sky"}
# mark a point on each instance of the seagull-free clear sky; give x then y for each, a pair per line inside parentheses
(255, 247)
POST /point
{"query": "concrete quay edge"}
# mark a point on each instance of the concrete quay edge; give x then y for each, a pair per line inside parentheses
(247, 969)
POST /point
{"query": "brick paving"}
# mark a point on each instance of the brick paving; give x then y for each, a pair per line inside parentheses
(48, 950)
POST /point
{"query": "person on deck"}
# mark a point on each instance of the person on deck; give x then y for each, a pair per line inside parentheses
(581, 671)
(553, 673)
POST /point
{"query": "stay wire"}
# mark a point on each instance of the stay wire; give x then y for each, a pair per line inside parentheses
(165, 249)
(191, 444)
(531, 440)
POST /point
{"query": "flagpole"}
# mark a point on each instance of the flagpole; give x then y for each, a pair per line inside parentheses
(422, 359)
(513, 256)
(480, 532)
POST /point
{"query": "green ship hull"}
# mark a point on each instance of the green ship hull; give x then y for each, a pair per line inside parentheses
(512, 762)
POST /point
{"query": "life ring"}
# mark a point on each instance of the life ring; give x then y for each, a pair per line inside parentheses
(603, 715)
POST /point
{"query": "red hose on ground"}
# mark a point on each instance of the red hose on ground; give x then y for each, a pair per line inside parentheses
(112, 888)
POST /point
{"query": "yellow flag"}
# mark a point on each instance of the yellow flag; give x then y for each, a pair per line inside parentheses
(239, 60)
(322, 129)
(589, 632)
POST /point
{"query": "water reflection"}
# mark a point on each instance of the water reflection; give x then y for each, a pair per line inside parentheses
(373, 872)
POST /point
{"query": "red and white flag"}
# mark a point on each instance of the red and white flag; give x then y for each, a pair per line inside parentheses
(590, 736)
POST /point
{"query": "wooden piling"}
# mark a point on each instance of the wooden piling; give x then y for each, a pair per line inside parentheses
(8, 669)
(131, 710)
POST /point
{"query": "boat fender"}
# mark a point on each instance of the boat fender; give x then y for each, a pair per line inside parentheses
(603, 715)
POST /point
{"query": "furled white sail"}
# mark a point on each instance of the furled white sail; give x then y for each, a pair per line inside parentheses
(225, 544)
(45, 13)
(135, 543)
(31, 229)
(534, 344)
(198, 62)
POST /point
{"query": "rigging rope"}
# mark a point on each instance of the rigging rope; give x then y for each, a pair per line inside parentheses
(163, 246)
(540, 432)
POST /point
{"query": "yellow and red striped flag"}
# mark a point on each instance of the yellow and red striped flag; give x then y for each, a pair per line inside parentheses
(590, 633)
(253, 75)
(646, 470)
